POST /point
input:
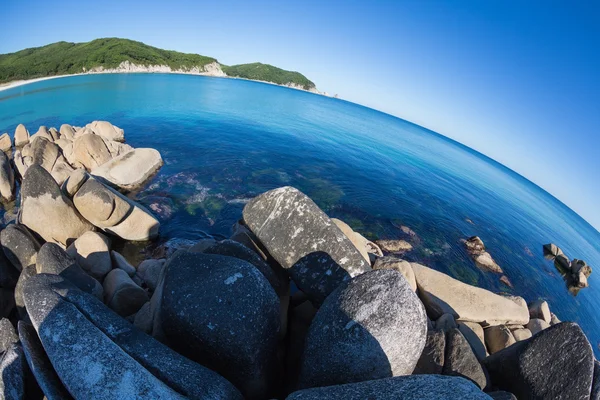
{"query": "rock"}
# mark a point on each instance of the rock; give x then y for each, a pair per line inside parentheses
(74, 182)
(42, 133)
(581, 280)
(414, 387)
(580, 265)
(21, 136)
(304, 241)
(5, 142)
(130, 170)
(67, 131)
(485, 260)
(40, 365)
(116, 149)
(554, 319)
(521, 334)
(443, 294)
(371, 327)
(92, 252)
(114, 213)
(474, 334)
(202, 245)
(63, 143)
(61, 170)
(243, 235)
(19, 163)
(9, 275)
(540, 309)
(90, 151)
(461, 361)
(19, 245)
(122, 295)
(52, 259)
(536, 325)
(44, 152)
(7, 179)
(498, 338)
(13, 369)
(394, 246)
(551, 251)
(504, 279)
(26, 274)
(120, 262)
(117, 361)
(230, 325)
(562, 262)
(445, 323)
(502, 395)
(8, 336)
(144, 318)
(46, 211)
(595, 395)
(107, 130)
(557, 363)
(356, 239)
(150, 271)
(54, 133)
(432, 358)
(474, 245)
(399, 265)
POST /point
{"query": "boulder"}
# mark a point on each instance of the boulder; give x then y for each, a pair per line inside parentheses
(61, 170)
(121, 294)
(7, 179)
(536, 325)
(460, 360)
(20, 164)
(580, 266)
(19, 245)
(521, 334)
(52, 259)
(90, 151)
(67, 132)
(112, 212)
(99, 355)
(5, 142)
(300, 318)
(562, 263)
(557, 363)
(443, 294)
(9, 275)
(243, 235)
(432, 358)
(21, 136)
(116, 149)
(498, 338)
(502, 395)
(415, 387)
(580, 280)
(26, 274)
(54, 133)
(371, 327)
(554, 319)
(92, 252)
(485, 260)
(551, 251)
(222, 312)
(13, 370)
(150, 271)
(445, 323)
(8, 336)
(595, 395)
(130, 170)
(46, 211)
(475, 245)
(120, 262)
(474, 334)
(394, 246)
(42, 133)
(107, 130)
(144, 318)
(356, 239)
(44, 152)
(399, 265)
(304, 241)
(540, 309)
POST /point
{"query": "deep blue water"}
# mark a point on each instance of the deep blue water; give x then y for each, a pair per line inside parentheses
(224, 141)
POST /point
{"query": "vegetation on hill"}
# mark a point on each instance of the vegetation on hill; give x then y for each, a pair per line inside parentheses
(268, 73)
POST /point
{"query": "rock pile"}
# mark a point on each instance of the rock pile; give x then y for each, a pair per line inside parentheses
(575, 272)
(218, 320)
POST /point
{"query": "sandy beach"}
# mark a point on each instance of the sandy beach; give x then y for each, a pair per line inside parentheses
(13, 84)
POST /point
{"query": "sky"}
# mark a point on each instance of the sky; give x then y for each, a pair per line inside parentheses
(518, 81)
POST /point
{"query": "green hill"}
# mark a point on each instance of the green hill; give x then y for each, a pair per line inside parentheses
(63, 58)
(268, 73)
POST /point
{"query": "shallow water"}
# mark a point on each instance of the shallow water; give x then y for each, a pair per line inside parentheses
(225, 141)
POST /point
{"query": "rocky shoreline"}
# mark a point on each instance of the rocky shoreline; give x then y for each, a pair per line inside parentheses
(293, 305)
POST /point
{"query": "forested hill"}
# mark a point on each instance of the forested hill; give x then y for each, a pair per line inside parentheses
(269, 73)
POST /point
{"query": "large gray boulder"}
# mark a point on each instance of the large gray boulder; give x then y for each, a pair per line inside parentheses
(474, 334)
(13, 370)
(460, 360)
(370, 327)
(415, 387)
(557, 363)
(46, 211)
(314, 251)
(130, 170)
(19, 245)
(21, 136)
(432, 358)
(443, 294)
(595, 395)
(221, 312)
(122, 295)
(99, 355)
(7, 179)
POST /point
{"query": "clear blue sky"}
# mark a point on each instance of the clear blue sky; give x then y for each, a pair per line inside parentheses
(516, 80)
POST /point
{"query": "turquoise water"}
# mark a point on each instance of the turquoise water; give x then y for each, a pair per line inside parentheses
(225, 141)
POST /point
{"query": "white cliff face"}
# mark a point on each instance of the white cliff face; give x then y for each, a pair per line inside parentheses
(212, 69)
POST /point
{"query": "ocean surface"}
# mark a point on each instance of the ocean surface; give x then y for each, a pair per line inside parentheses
(225, 141)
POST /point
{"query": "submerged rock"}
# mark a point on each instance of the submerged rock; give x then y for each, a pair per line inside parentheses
(130, 170)
(394, 246)
(482, 258)
(5, 142)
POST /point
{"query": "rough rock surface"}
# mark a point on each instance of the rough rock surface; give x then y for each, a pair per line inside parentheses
(91, 151)
(7, 178)
(107, 130)
(536, 325)
(595, 395)
(21, 136)
(13, 369)
(8, 336)
(540, 309)
(67, 131)
(557, 363)
(119, 361)
(19, 246)
(230, 326)
(498, 338)
(357, 240)
(92, 252)
(130, 170)
(26, 274)
(44, 152)
(399, 265)
(445, 323)
(474, 334)
(482, 258)
(415, 387)
(371, 327)
(521, 334)
(121, 294)
(46, 211)
(443, 294)
(432, 358)
(317, 255)
(461, 361)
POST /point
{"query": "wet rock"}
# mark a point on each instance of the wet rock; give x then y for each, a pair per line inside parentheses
(8, 336)
(474, 334)
(399, 265)
(21, 136)
(119, 361)
(13, 369)
(234, 330)
(52, 259)
(90, 151)
(130, 170)
(557, 363)
(304, 241)
(107, 130)
(46, 211)
(498, 338)
(19, 246)
(121, 294)
(371, 327)
(443, 294)
(150, 271)
(540, 309)
(415, 387)
(461, 361)
(5, 142)
(445, 323)
(432, 358)
(521, 334)
(536, 325)
(7, 179)
(92, 252)
(120, 262)
(394, 246)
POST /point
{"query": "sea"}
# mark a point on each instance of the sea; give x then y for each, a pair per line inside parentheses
(225, 141)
